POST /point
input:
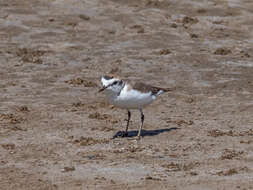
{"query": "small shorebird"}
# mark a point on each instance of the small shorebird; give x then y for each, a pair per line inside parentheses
(123, 95)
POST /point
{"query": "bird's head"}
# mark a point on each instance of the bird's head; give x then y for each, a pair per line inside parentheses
(111, 84)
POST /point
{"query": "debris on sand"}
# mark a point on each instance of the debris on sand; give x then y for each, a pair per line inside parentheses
(10, 118)
(228, 154)
(30, 55)
(9, 146)
(228, 172)
(222, 51)
(86, 141)
(23, 109)
(68, 169)
(219, 133)
(99, 116)
(80, 81)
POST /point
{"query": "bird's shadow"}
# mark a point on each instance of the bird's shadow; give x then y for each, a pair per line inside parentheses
(143, 132)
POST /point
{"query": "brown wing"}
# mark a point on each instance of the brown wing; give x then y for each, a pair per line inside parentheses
(147, 88)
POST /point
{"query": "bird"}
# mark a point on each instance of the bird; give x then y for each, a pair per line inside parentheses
(122, 94)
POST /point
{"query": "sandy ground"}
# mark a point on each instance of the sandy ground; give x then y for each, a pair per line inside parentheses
(56, 130)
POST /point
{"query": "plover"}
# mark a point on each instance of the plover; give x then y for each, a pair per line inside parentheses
(126, 96)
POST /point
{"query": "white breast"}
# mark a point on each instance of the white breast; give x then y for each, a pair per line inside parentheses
(132, 99)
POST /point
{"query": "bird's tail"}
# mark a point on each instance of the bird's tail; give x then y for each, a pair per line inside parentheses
(167, 89)
(162, 90)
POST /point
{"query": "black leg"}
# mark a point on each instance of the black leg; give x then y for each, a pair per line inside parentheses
(142, 121)
(128, 120)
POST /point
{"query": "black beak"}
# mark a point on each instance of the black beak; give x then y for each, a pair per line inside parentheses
(105, 87)
(102, 89)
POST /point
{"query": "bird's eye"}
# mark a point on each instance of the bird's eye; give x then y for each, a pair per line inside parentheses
(115, 82)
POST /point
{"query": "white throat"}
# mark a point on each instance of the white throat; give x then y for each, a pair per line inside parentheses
(111, 95)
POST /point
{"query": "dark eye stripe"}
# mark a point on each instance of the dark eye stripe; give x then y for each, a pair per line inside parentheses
(107, 77)
(117, 82)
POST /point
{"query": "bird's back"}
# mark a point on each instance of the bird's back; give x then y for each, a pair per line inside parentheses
(148, 88)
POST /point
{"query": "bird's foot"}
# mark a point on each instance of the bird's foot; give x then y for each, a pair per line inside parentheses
(138, 137)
